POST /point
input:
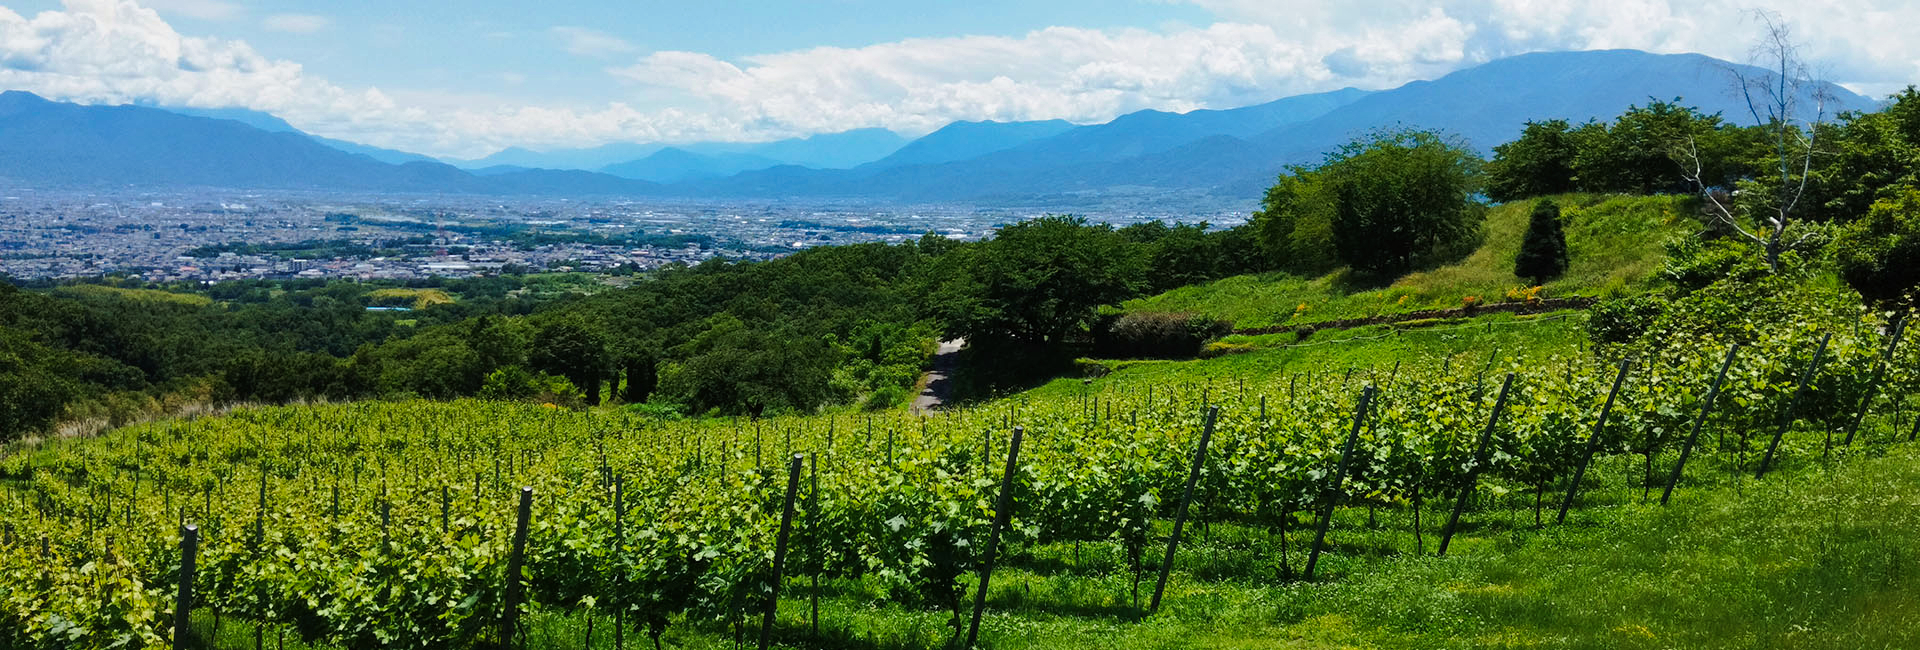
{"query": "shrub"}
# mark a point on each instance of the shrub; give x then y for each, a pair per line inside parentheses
(885, 398)
(1624, 320)
(1157, 335)
(1543, 252)
(1879, 256)
(1693, 264)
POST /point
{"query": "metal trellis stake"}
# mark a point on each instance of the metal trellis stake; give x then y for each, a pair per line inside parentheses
(510, 616)
(1002, 515)
(1593, 444)
(1706, 411)
(1186, 501)
(1793, 407)
(1473, 473)
(183, 600)
(1331, 495)
(1873, 384)
(780, 552)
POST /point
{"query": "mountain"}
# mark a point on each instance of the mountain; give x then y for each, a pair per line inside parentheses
(60, 144)
(1489, 104)
(673, 165)
(1012, 171)
(273, 124)
(68, 144)
(824, 151)
(1221, 153)
(963, 140)
(589, 158)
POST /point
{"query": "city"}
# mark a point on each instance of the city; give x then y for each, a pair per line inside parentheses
(212, 236)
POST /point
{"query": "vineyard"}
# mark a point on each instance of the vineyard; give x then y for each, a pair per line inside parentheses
(481, 524)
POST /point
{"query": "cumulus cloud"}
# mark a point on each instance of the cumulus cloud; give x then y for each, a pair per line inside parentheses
(591, 42)
(110, 51)
(202, 9)
(296, 23)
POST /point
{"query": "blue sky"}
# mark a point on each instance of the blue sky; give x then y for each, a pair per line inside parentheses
(558, 52)
(467, 78)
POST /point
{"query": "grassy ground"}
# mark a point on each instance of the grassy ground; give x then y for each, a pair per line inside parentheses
(1503, 338)
(1615, 244)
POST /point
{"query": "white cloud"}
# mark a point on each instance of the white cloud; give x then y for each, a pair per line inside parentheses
(296, 23)
(591, 42)
(112, 51)
(201, 9)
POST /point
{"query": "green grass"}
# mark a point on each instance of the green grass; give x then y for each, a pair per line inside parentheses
(1616, 243)
(1374, 348)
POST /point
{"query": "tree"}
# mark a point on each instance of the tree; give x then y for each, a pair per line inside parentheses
(1401, 198)
(1543, 252)
(1879, 256)
(571, 348)
(1779, 102)
(1294, 226)
(1642, 151)
(1041, 280)
(1538, 163)
(1869, 157)
(739, 369)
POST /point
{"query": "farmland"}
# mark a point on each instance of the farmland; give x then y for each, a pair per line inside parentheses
(381, 524)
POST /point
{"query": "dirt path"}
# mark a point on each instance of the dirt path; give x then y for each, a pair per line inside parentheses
(936, 385)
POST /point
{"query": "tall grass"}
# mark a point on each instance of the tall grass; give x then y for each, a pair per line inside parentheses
(1616, 244)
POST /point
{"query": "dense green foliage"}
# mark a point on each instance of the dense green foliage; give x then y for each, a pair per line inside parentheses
(1880, 254)
(1538, 163)
(1391, 202)
(1639, 152)
(1040, 281)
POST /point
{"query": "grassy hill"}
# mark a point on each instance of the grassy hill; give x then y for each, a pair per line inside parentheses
(1615, 243)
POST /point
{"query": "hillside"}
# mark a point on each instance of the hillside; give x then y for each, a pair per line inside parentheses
(1616, 244)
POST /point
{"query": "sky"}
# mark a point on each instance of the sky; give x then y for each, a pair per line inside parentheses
(465, 79)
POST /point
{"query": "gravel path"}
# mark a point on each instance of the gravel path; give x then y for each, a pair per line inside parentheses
(936, 385)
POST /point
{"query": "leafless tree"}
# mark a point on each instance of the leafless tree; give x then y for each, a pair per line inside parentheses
(1778, 99)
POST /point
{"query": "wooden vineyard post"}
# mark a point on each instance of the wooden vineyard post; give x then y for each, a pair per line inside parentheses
(510, 616)
(1331, 495)
(619, 550)
(1002, 515)
(183, 599)
(1593, 444)
(1186, 501)
(1706, 411)
(1793, 406)
(1473, 473)
(1873, 383)
(780, 552)
(813, 535)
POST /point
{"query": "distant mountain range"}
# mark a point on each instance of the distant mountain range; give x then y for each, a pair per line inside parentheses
(1226, 154)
